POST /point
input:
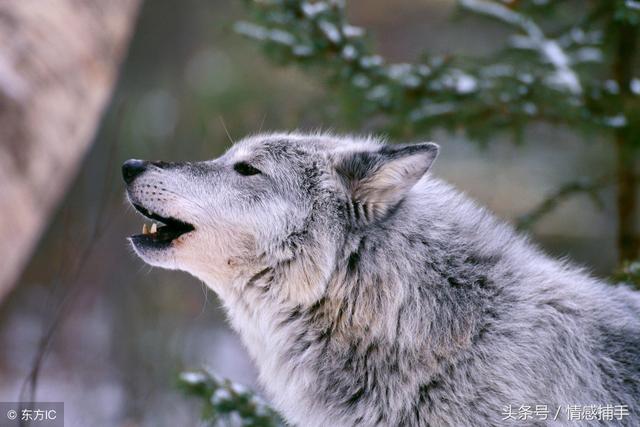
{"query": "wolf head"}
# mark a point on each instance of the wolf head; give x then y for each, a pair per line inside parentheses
(282, 203)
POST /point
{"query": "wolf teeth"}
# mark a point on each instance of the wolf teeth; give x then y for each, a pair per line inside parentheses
(149, 230)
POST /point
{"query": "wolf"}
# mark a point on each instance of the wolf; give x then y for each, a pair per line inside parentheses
(369, 292)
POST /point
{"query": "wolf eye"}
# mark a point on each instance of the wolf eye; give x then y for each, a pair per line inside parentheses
(245, 169)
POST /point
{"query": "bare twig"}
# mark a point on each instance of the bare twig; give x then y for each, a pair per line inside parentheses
(73, 272)
(591, 187)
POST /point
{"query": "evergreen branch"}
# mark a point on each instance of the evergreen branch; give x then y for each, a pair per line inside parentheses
(629, 273)
(225, 401)
(535, 39)
(453, 93)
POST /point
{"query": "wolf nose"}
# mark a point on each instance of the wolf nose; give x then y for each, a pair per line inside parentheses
(132, 168)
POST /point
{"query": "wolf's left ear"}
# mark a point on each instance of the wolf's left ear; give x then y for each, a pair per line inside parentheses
(378, 180)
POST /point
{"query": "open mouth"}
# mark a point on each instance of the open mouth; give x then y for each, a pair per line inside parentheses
(163, 234)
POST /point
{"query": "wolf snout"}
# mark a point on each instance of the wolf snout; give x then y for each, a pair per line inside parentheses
(132, 168)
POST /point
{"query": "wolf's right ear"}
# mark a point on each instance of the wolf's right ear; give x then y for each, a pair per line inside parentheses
(378, 180)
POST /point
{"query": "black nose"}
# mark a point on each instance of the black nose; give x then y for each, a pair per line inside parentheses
(132, 168)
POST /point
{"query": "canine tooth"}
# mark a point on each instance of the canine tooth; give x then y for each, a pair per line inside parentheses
(154, 228)
(145, 229)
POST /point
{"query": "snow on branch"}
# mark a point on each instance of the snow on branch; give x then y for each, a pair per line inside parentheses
(479, 96)
(226, 402)
(564, 76)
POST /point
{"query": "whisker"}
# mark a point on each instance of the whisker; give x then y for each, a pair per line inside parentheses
(224, 126)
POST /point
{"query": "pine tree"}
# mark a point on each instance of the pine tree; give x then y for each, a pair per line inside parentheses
(568, 63)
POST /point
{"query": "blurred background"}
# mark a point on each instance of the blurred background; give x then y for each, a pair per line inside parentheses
(107, 334)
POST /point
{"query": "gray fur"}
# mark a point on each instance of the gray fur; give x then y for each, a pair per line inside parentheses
(369, 292)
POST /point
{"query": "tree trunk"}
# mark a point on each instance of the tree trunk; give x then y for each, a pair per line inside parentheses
(58, 64)
(627, 203)
(626, 179)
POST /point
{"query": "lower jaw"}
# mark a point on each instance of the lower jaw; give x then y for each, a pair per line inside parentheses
(161, 238)
(148, 241)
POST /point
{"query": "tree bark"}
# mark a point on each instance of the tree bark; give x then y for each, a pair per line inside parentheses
(58, 65)
(626, 179)
(626, 200)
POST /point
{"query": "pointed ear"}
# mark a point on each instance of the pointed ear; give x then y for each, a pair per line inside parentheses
(378, 180)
